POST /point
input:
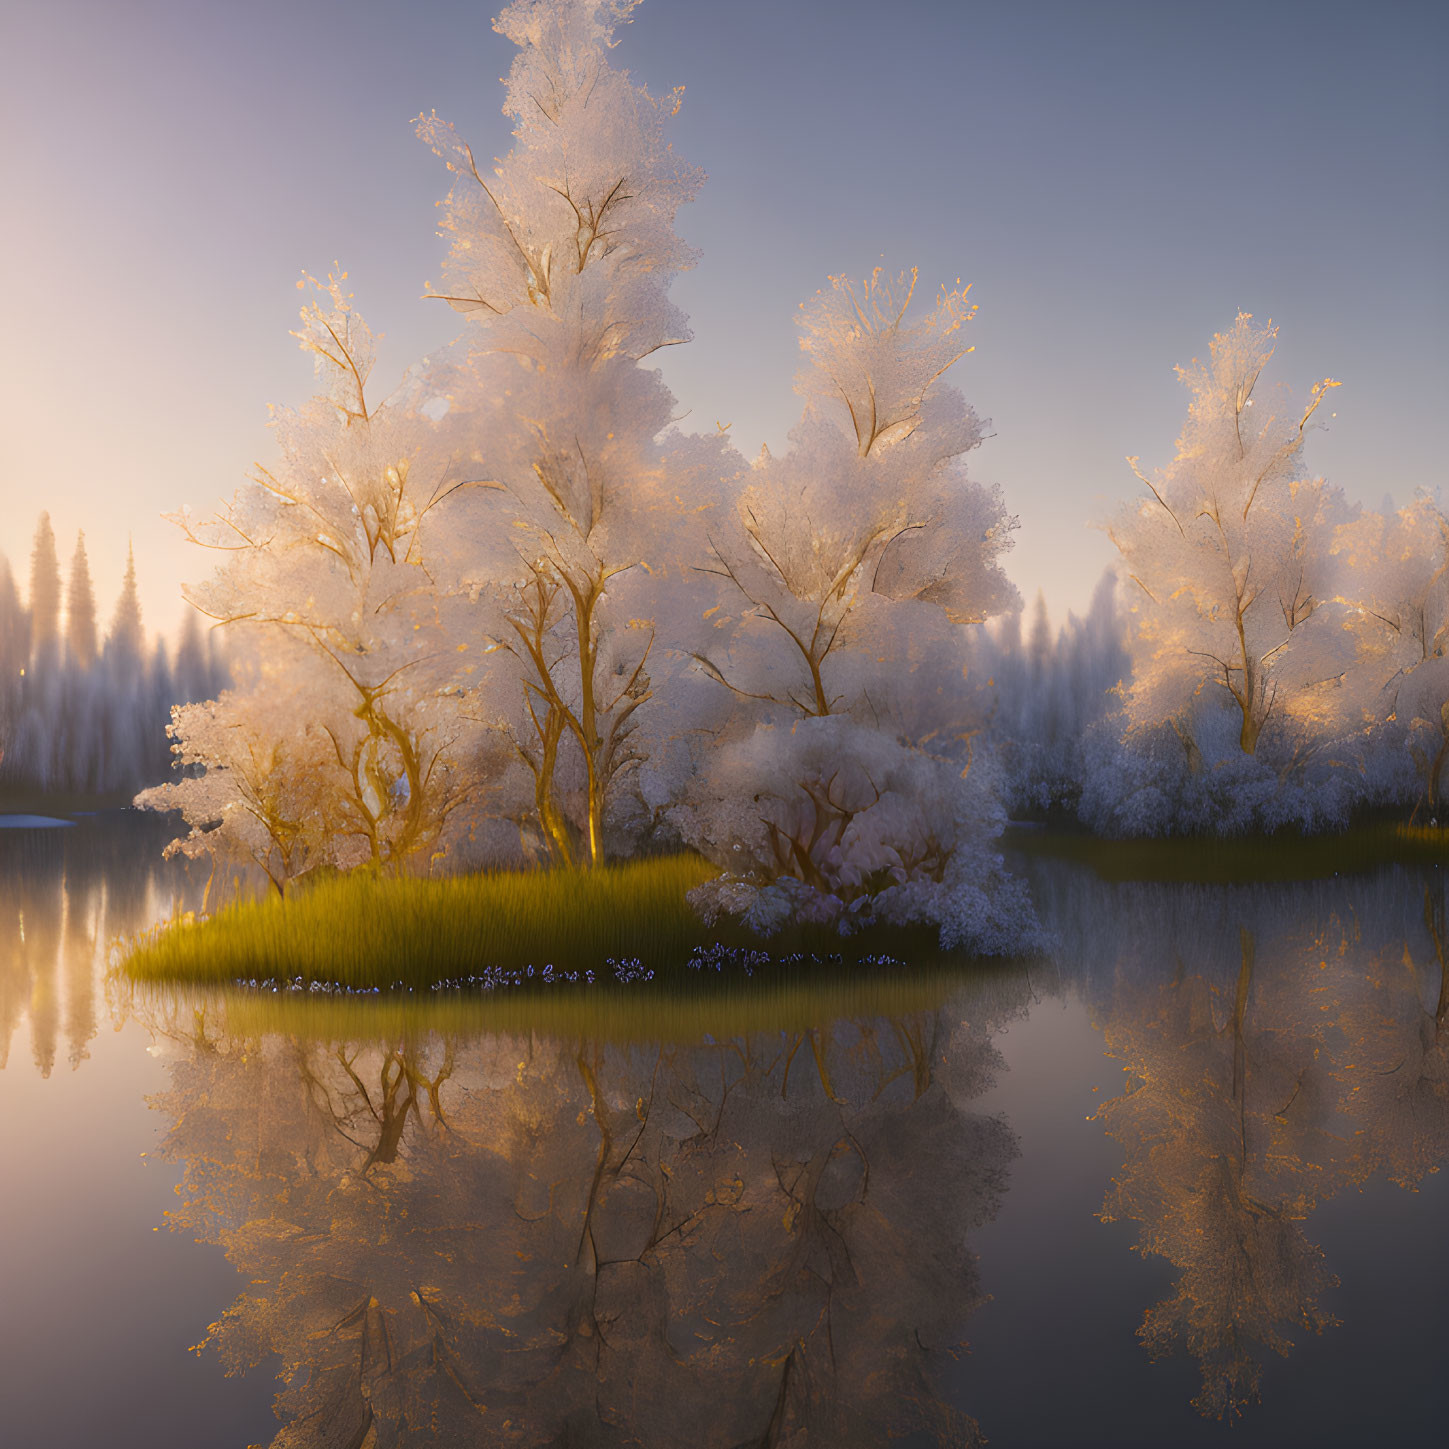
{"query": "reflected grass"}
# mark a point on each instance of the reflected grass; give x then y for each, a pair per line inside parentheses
(704, 1010)
(1285, 856)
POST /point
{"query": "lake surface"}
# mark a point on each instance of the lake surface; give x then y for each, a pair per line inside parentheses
(1179, 1185)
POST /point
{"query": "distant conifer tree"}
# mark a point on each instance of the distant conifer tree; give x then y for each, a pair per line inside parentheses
(14, 652)
(14, 626)
(127, 639)
(80, 609)
(1039, 642)
(44, 590)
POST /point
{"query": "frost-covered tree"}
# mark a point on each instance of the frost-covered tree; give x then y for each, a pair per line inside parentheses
(561, 258)
(1231, 563)
(1398, 562)
(80, 609)
(870, 508)
(252, 793)
(836, 822)
(844, 787)
(326, 567)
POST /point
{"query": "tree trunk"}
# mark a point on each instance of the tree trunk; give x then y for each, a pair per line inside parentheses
(1249, 736)
(555, 826)
(1189, 747)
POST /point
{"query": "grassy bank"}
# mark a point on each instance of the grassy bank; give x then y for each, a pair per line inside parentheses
(362, 932)
(1239, 859)
(535, 933)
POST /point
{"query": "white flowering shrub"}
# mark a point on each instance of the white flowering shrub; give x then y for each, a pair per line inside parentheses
(1147, 783)
(829, 821)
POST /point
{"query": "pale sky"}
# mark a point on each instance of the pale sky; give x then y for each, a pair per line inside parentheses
(1116, 179)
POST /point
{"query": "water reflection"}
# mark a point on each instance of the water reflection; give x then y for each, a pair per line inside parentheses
(765, 1238)
(65, 894)
(1395, 1013)
(761, 1240)
(1280, 1047)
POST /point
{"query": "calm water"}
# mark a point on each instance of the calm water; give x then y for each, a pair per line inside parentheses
(1178, 1187)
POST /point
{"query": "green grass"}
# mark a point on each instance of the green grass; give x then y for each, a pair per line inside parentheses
(1236, 859)
(362, 931)
(367, 933)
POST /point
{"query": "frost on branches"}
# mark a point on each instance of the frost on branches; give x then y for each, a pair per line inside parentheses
(326, 568)
(251, 792)
(562, 255)
(845, 788)
(511, 609)
(1399, 560)
(1243, 647)
(832, 821)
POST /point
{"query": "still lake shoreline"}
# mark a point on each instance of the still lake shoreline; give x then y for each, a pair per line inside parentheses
(629, 924)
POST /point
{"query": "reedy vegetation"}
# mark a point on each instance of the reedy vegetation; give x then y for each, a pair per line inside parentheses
(504, 932)
(359, 932)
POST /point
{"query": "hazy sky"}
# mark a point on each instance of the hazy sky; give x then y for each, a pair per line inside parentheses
(1115, 179)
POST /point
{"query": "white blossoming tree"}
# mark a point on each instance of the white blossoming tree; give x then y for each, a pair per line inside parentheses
(326, 568)
(561, 257)
(845, 787)
(252, 793)
(1399, 564)
(1230, 556)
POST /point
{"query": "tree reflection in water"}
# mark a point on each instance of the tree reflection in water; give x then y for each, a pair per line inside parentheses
(761, 1239)
(65, 894)
(755, 1241)
(1396, 1016)
(1264, 1079)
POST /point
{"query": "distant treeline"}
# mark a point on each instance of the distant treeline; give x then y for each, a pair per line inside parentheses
(82, 712)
